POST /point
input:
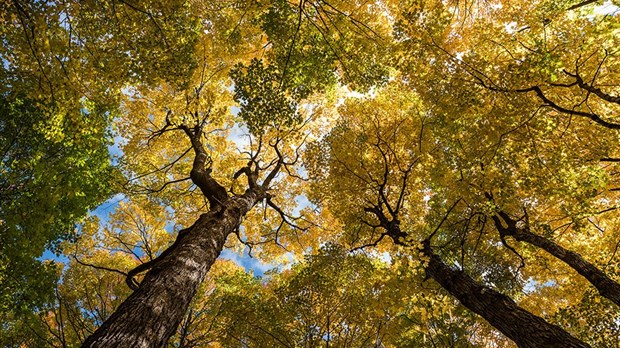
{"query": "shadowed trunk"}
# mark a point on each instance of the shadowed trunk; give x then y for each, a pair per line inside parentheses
(524, 328)
(521, 326)
(151, 314)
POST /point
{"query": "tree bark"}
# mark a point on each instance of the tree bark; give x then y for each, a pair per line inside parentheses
(607, 287)
(151, 314)
(521, 326)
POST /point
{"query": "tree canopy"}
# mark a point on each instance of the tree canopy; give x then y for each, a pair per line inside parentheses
(414, 173)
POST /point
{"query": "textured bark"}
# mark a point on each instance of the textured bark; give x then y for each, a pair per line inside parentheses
(521, 326)
(605, 285)
(151, 314)
(524, 328)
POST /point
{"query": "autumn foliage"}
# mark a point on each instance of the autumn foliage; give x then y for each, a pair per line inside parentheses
(415, 173)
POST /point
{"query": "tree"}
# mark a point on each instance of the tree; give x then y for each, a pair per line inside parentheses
(544, 64)
(533, 67)
(381, 165)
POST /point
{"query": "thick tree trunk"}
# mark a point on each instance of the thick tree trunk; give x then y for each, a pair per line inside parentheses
(521, 326)
(151, 314)
(605, 285)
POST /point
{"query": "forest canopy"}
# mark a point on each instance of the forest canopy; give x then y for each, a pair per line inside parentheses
(310, 173)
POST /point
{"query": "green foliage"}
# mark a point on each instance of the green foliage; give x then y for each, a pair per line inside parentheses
(54, 168)
(316, 44)
(263, 100)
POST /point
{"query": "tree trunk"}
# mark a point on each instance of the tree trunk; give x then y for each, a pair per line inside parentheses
(521, 326)
(605, 285)
(151, 314)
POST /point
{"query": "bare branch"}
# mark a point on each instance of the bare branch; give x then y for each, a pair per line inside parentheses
(445, 217)
(99, 267)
